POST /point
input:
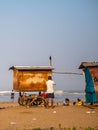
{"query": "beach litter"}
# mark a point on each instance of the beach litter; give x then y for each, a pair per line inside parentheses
(91, 111)
(88, 112)
(34, 119)
(12, 123)
(54, 112)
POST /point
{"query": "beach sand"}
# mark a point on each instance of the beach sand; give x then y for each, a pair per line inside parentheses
(16, 117)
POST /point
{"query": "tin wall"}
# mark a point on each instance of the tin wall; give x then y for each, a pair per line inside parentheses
(94, 73)
(30, 80)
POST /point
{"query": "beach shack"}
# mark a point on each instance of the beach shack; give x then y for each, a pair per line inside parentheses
(30, 78)
(90, 70)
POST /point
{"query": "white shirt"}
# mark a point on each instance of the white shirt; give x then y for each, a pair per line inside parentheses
(50, 86)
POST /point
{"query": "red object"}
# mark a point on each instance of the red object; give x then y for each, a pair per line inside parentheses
(43, 95)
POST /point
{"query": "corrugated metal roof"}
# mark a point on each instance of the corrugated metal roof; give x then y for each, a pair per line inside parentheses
(88, 64)
(32, 67)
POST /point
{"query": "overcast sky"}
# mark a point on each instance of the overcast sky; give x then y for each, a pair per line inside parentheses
(32, 30)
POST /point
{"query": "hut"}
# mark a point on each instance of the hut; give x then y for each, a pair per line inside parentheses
(91, 77)
(30, 78)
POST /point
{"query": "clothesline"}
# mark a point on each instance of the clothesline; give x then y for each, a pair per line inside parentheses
(67, 73)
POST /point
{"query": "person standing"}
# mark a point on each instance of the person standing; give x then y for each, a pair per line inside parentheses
(50, 91)
(12, 96)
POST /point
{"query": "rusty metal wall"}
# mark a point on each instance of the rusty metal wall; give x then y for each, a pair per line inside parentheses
(94, 73)
(30, 80)
(15, 79)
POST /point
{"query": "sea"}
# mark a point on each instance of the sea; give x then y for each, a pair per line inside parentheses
(60, 95)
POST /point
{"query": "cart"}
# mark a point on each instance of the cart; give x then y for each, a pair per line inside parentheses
(32, 100)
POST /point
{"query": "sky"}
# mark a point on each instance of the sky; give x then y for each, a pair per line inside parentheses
(33, 30)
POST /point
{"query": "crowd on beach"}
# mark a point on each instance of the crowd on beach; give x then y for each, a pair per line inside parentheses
(66, 102)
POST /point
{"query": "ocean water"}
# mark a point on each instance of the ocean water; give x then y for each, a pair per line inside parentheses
(71, 94)
(5, 96)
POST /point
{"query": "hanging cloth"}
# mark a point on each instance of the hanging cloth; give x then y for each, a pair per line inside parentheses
(90, 90)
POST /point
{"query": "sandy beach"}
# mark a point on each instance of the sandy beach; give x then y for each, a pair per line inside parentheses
(16, 117)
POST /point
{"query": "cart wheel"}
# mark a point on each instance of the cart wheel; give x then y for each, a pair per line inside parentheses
(45, 103)
(29, 102)
(21, 101)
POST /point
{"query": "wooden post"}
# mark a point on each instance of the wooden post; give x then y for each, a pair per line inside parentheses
(50, 58)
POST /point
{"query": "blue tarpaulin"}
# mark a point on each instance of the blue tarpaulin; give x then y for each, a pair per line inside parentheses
(90, 90)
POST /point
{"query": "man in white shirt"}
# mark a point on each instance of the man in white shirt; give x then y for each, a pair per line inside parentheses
(50, 91)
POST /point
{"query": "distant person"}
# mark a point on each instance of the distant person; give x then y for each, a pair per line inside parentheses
(20, 94)
(39, 93)
(74, 103)
(24, 95)
(12, 96)
(66, 102)
(50, 91)
(79, 102)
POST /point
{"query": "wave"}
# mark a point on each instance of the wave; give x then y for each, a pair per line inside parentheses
(74, 93)
(4, 92)
(60, 95)
(56, 92)
(67, 93)
(59, 92)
